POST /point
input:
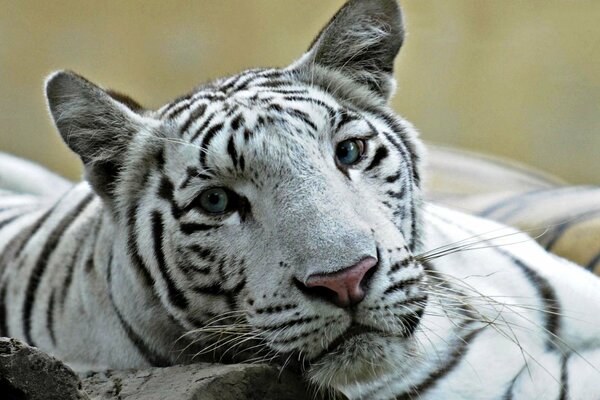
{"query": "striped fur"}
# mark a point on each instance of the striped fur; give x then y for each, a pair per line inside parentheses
(564, 219)
(126, 270)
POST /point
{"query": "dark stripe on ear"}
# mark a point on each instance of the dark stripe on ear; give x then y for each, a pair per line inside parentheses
(380, 154)
(176, 295)
(42, 261)
(147, 354)
(458, 353)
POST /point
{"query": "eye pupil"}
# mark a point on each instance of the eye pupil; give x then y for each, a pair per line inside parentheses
(214, 201)
(349, 152)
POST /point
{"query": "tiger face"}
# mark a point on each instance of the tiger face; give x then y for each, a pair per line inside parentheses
(279, 205)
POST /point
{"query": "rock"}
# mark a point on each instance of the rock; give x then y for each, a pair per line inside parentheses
(199, 382)
(27, 373)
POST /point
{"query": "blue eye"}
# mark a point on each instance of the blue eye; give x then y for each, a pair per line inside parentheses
(214, 201)
(350, 151)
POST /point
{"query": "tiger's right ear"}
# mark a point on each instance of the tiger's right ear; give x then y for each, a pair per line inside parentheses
(94, 124)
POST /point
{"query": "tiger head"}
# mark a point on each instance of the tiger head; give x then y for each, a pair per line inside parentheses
(280, 205)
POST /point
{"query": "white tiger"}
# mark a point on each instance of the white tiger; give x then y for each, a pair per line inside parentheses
(276, 215)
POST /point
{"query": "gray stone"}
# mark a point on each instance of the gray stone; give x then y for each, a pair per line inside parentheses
(199, 382)
(27, 373)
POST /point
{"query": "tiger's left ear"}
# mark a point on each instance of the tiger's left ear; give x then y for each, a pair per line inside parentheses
(361, 41)
(98, 125)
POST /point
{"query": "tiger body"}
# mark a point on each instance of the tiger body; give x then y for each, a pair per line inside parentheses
(134, 268)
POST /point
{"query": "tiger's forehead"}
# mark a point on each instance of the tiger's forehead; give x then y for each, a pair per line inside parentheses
(252, 100)
(254, 120)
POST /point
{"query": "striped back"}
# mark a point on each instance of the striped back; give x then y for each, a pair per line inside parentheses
(564, 219)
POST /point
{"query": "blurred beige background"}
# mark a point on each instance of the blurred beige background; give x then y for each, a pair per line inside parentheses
(514, 78)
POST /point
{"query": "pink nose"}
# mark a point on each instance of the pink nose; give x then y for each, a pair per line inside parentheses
(347, 285)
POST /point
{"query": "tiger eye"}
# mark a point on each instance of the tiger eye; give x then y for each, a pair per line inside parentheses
(350, 151)
(214, 200)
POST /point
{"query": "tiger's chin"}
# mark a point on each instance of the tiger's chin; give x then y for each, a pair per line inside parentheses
(357, 360)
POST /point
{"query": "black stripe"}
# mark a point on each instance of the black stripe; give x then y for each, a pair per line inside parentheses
(548, 295)
(212, 290)
(202, 127)
(329, 109)
(560, 230)
(148, 354)
(393, 178)
(401, 285)
(396, 195)
(200, 251)
(194, 115)
(210, 134)
(7, 221)
(232, 81)
(237, 121)
(177, 103)
(50, 317)
(591, 265)
(274, 84)
(404, 145)
(380, 154)
(166, 192)
(411, 160)
(33, 230)
(458, 353)
(70, 265)
(541, 284)
(133, 251)
(288, 323)
(564, 378)
(346, 118)
(508, 394)
(302, 116)
(232, 151)
(3, 311)
(526, 196)
(192, 227)
(40, 265)
(176, 295)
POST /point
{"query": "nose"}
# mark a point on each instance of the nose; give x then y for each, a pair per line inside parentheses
(344, 288)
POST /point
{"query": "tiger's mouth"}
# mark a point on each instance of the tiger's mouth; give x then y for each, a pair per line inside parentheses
(353, 330)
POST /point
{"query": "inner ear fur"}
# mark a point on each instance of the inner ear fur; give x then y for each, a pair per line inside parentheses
(361, 42)
(95, 124)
